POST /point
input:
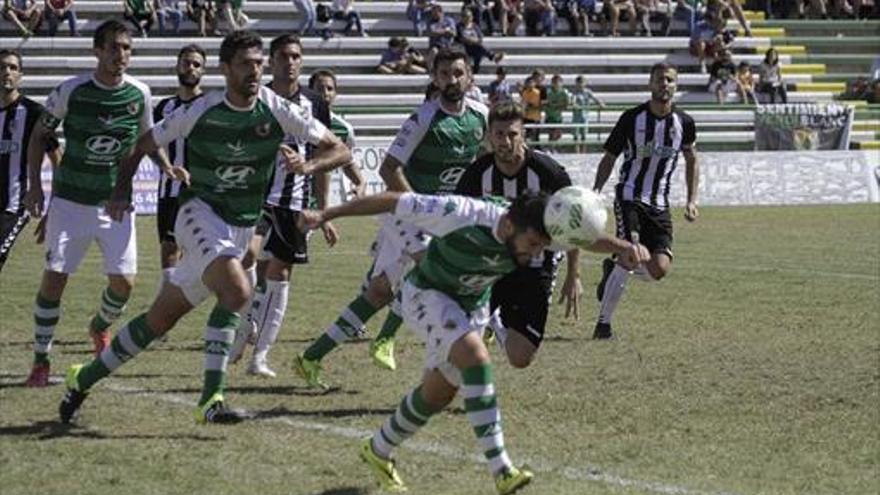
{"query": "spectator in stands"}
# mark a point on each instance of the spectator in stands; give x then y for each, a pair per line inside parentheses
(687, 11)
(141, 14)
(539, 76)
(648, 11)
(709, 38)
(481, 12)
(540, 17)
(26, 15)
(441, 31)
(722, 78)
(513, 16)
(557, 102)
(229, 16)
(586, 11)
(417, 11)
(729, 8)
(613, 10)
(568, 10)
(580, 109)
(499, 89)
(531, 100)
(57, 11)
(474, 92)
(770, 77)
(745, 82)
(168, 10)
(470, 36)
(400, 58)
(307, 8)
(343, 10)
(202, 13)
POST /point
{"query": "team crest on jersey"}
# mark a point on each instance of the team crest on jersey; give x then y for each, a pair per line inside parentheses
(262, 130)
(133, 108)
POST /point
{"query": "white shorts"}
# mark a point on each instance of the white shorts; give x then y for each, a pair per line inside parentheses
(395, 242)
(72, 227)
(440, 322)
(203, 237)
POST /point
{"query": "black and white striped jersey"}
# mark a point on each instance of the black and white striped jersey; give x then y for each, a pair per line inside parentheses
(176, 150)
(651, 146)
(16, 124)
(540, 172)
(293, 191)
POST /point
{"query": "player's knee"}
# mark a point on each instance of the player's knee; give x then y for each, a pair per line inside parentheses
(379, 292)
(234, 296)
(520, 360)
(121, 286)
(52, 285)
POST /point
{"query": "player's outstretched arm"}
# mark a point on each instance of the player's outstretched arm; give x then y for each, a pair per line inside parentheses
(572, 288)
(631, 254)
(330, 153)
(120, 199)
(385, 202)
(692, 177)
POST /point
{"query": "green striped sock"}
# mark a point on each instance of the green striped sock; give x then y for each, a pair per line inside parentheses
(390, 327)
(412, 414)
(112, 306)
(218, 338)
(46, 316)
(130, 341)
(348, 325)
(484, 415)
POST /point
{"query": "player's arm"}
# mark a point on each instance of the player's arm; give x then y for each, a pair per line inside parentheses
(385, 202)
(606, 165)
(330, 153)
(357, 179)
(614, 145)
(391, 172)
(120, 199)
(571, 288)
(691, 170)
(41, 139)
(401, 150)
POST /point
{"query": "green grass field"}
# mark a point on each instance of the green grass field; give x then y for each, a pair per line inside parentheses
(752, 369)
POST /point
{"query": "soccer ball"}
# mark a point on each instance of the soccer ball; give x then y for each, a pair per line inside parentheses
(575, 217)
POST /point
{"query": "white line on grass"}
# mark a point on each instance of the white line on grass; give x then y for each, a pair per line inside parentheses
(589, 473)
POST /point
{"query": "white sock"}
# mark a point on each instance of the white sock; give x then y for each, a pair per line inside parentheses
(613, 290)
(643, 274)
(272, 311)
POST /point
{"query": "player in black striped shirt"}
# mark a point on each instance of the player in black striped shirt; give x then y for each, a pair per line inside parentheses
(18, 114)
(651, 136)
(190, 69)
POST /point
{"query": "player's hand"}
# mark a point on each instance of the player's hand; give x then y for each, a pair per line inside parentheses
(331, 235)
(635, 255)
(294, 162)
(571, 294)
(358, 190)
(40, 231)
(309, 220)
(33, 201)
(179, 174)
(119, 205)
(691, 212)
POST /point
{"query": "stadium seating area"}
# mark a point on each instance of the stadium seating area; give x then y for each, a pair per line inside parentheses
(818, 58)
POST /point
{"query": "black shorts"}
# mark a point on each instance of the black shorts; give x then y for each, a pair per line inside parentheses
(654, 225)
(166, 215)
(11, 224)
(285, 241)
(524, 299)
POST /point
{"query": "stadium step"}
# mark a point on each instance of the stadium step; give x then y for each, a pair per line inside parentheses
(803, 69)
(833, 87)
(867, 145)
(783, 49)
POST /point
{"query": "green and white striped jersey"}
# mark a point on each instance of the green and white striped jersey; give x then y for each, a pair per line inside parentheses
(436, 147)
(465, 257)
(230, 151)
(101, 125)
(342, 129)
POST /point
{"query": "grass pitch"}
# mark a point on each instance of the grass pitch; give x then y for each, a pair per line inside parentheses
(752, 369)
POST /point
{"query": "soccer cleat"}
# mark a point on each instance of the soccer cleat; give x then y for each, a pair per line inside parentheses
(73, 398)
(382, 352)
(607, 267)
(39, 376)
(260, 367)
(101, 340)
(310, 371)
(511, 480)
(215, 412)
(602, 331)
(386, 474)
(245, 334)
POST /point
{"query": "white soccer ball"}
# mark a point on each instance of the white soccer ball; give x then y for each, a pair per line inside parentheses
(575, 217)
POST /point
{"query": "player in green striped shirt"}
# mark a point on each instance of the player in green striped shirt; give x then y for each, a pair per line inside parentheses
(232, 140)
(103, 114)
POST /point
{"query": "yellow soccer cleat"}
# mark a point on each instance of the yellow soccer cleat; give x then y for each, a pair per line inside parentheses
(382, 352)
(386, 474)
(512, 480)
(310, 371)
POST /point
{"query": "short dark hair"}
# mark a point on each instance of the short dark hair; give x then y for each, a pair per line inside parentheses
(506, 112)
(284, 39)
(527, 211)
(6, 52)
(107, 30)
(191, 48)
(450, 55)
(500, 71)
(238, 40)
(318, 74)
(662, 67)
(744, 65)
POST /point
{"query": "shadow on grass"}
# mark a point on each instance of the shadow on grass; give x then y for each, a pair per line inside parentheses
(283, 412)
(348, 490)
(51, 430)
(270, 390)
